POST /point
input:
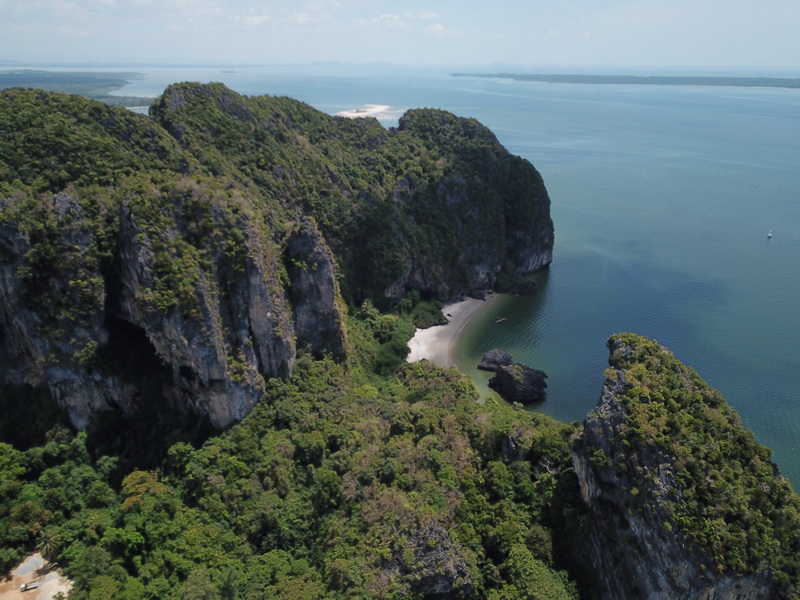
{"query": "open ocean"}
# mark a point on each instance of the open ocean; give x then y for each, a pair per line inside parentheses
(662, 199)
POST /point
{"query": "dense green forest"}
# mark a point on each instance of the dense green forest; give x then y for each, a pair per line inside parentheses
(356, 476)
(340, 484)
(225, 248)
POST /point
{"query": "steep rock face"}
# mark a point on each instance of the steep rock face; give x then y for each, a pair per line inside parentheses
(48, 324)
(314, 292)
(635, 490)
(486, 214)
(236, 330)
(216, 235)
(218, 339)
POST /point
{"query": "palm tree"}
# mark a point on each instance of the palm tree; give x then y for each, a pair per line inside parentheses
(49, 544)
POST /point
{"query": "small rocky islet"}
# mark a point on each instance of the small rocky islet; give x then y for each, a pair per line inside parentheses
(515, 382)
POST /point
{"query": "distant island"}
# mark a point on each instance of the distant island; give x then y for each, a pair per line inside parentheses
(776, 82)
(94, 85)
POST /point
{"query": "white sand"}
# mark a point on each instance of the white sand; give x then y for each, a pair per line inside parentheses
(436, 343)
(368, 110)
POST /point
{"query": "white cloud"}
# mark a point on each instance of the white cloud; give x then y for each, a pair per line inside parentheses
(392, 21)
(71, 10)
(257, 20)
(547, 31)
(75, 32)
(177, 27)
(438, 30)
(300, 18)
(386, 21)
(422, 16)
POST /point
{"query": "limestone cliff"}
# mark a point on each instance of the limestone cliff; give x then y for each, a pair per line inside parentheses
(185, 258)
(436, 205)
(657, 464)
(486, 214)
(216, 340)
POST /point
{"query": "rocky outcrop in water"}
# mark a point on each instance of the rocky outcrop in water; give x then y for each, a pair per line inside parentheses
(516, 382)
(494, 359)
(520, 383)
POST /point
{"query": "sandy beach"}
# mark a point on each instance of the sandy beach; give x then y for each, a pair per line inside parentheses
(436, 343)
(382, 112)
(368, 110)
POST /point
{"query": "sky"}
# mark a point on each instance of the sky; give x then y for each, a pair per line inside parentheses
(728, 34)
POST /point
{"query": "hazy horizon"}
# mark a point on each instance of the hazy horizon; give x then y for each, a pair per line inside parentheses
(350, 68)
(565, 35)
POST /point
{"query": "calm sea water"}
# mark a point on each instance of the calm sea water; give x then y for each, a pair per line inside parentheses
(662, 198)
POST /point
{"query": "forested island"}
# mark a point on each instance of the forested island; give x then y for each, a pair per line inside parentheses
(204, 316)
(94, 85)
(725, 81)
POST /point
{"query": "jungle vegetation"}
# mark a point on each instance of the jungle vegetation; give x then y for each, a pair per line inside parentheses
(357, 477)
(729, 498)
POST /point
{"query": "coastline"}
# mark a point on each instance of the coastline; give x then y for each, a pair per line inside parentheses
(368, 110)
(437, 343)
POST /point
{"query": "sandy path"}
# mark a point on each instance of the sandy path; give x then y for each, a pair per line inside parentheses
(33, 570)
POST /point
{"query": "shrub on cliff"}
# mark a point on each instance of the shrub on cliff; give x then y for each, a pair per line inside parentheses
(685, 452)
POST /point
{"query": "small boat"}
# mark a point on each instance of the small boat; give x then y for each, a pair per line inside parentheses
(500, 319)
(769, 235)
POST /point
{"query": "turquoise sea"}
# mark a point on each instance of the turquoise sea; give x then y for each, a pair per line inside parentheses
(662, 199)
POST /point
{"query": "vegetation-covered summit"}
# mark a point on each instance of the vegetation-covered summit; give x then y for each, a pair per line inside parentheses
(665, 462)
(436, 204)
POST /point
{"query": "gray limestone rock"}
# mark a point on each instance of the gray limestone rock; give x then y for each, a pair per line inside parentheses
(242, 327)
(633, 547)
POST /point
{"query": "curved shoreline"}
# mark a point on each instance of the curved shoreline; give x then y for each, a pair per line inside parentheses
(437, 343)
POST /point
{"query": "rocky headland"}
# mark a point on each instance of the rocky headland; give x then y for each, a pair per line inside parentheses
(223, 234)
(682, 502)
